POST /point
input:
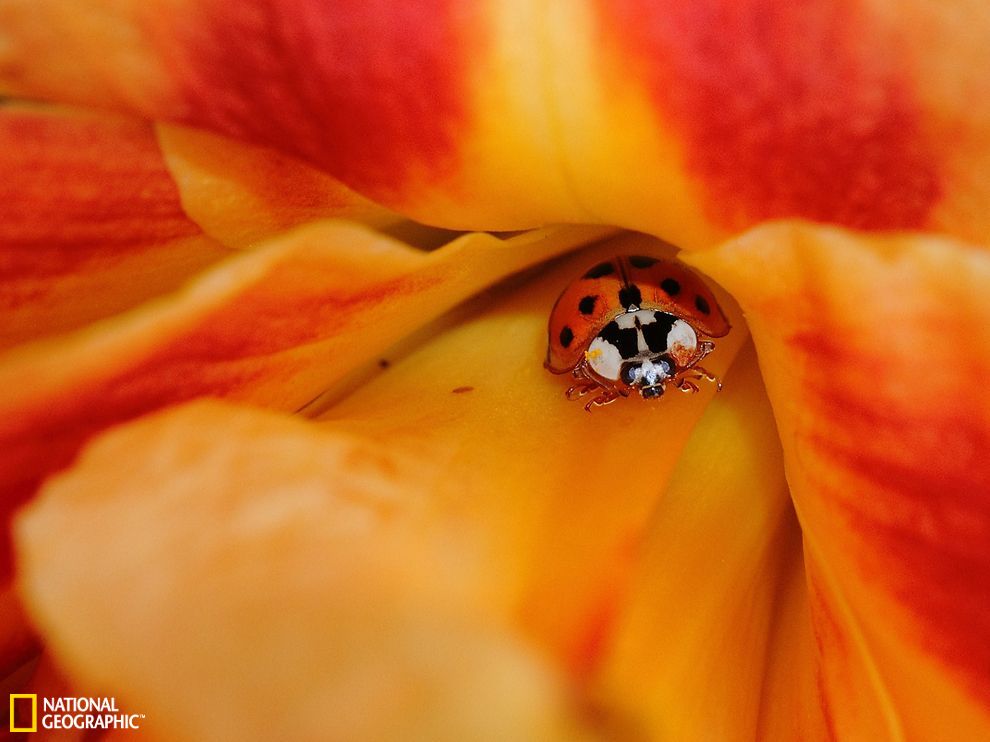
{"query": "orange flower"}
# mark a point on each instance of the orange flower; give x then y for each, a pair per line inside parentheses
(438, 545)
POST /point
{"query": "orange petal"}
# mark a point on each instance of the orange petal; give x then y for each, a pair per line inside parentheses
(689, 120)
(873, 350)
(273, 327)
(689, 649)
(555, 496)
(241, 194)
(792, 706)
(18, 642)
(90, 222)
(286, 585)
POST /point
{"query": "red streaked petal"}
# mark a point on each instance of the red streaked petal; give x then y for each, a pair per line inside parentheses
(273, 327)
(241, 194)
(373, 91)
(783, 109)
(90, 222)
(852, 689)
(872, 349)
(684, 120)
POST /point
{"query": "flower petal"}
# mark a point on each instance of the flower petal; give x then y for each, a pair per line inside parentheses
(792, 705)
(240, 194)
(771, 125)
(272, 327)
(90, 222)
(873, 350)
(689, 120)
(556, 497)
(18, 643)
(317, 603)
(688, 653)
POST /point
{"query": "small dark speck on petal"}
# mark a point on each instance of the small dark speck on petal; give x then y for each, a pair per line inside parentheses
(462, 389)
(383, 363)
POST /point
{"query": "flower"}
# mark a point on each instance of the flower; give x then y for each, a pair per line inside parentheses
(451, 550)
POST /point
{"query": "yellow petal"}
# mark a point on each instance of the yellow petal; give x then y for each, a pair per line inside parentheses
(273, 327)
(688, 656)
(246, 576)
(873, 349)
(555, 495)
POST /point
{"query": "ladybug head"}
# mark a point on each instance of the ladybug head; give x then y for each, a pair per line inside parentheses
(648, 375)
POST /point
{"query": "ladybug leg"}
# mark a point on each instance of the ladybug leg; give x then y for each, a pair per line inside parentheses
(608, 396)
(685, 381)
(585, 383)
(579, 390)
(704, 373)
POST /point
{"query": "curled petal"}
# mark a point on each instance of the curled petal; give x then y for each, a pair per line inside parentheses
(241, 194)
(90, 222)
(690, 120)
(873, 349)
(689, 648)
(273, 327)
(557, 498)
(318, 604)
(793, 706)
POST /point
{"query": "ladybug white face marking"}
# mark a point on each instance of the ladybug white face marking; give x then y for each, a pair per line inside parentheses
(639, 337)
(633, 324)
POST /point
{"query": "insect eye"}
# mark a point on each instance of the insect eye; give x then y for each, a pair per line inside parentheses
(652, 392)
(667, 364)
(630, 373)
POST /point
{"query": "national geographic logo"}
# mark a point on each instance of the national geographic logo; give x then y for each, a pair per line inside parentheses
(68, 712)
(19, 720)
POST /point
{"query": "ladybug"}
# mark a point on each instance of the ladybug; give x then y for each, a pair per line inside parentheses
(634, 323)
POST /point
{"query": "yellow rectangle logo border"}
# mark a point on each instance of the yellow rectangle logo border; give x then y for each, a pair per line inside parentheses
(34, 712)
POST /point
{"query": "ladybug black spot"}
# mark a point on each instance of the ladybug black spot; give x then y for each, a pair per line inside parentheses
(626, 341)
(566, 336)
(600, 271)
(641, 261)
(702, 304)
(671, 286)
(655, 333)
(630, 295)
(587, 305)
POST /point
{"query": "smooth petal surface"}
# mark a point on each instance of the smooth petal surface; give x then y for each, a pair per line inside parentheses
(364, 620)
(556, 498)
(90, 222)
(872, 350)
(17, 641)
(241, 194)
(273, 327)
(520, 509)
(688, 120)
(688, 654)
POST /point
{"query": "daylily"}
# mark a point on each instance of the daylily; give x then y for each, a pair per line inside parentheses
(392, 524)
